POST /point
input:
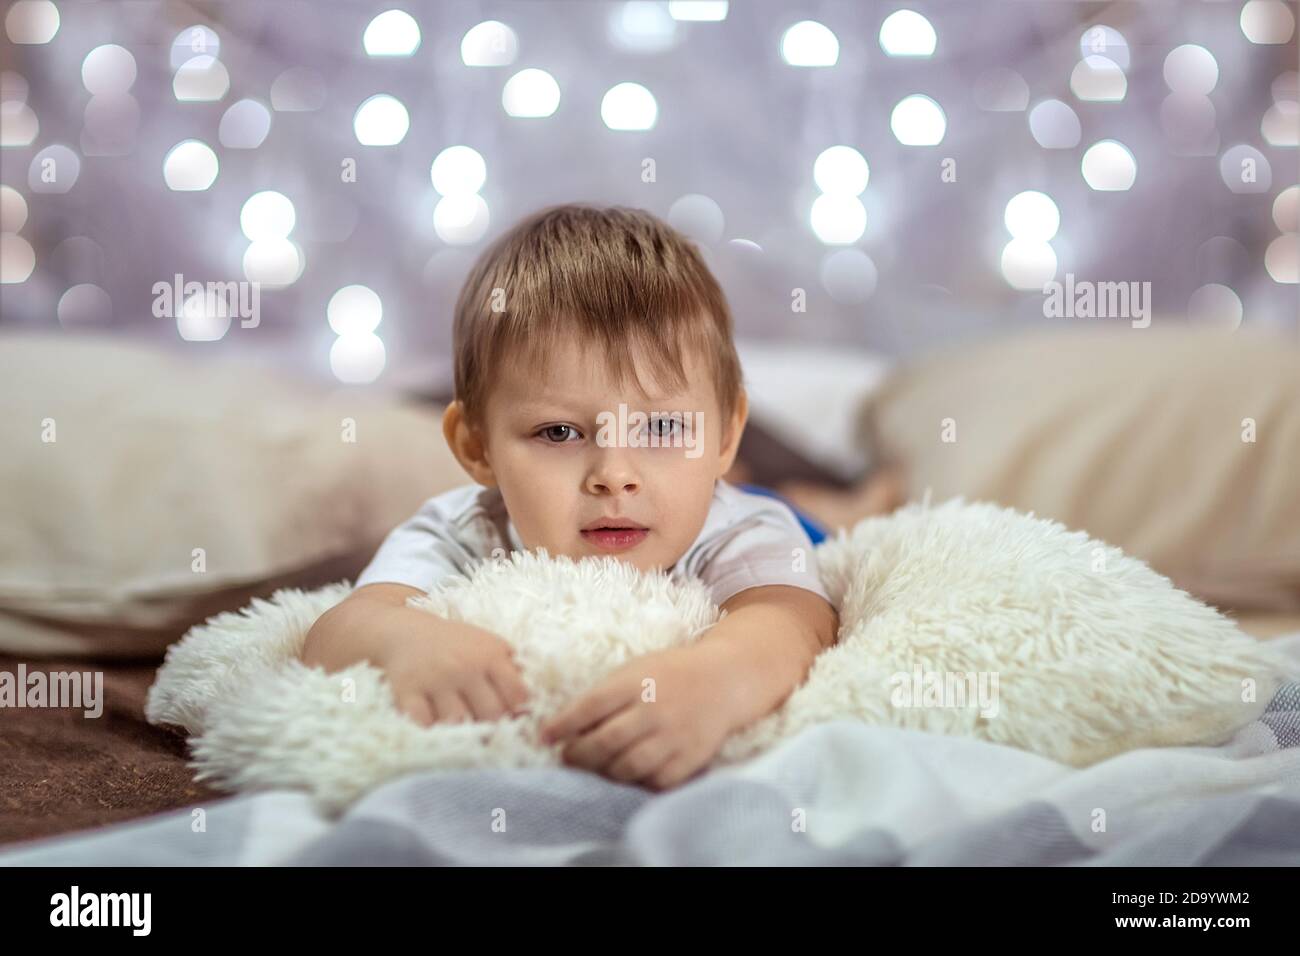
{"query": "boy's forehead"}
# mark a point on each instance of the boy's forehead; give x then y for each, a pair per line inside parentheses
(587, 376)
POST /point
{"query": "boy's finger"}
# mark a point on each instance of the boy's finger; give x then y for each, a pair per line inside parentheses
(484, 701)
(512, 688)
(578, 716)
(417, 708)
(449, 707)
(604, 743)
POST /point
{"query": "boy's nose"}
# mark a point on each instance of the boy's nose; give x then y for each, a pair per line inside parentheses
(604, 484)
(613, 477)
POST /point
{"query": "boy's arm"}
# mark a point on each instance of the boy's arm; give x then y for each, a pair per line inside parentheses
(766, 645)
(347, 633)
(741, 669)
(437, 669)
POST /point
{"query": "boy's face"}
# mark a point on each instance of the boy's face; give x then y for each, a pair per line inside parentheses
(566, 459)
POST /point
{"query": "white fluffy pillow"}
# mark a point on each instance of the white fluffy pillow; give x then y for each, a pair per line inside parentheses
(1093, 652)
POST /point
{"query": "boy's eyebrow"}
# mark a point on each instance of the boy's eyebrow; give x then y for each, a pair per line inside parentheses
(530, 409)
(537, 406)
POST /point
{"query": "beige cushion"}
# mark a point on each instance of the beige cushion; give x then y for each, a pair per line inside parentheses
(1133, 435)
(159, 452)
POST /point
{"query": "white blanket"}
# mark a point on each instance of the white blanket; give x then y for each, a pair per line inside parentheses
(838, 793)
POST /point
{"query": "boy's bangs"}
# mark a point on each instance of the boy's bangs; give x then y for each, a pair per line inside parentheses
(658, 348)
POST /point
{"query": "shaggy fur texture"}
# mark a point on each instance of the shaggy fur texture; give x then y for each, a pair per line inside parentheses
(1093, 654)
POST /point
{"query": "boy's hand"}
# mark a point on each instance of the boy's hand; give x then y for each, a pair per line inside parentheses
(461, 673)
(657, 720)
(439, 670)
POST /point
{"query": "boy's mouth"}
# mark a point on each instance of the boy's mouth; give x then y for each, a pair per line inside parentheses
(615, 534)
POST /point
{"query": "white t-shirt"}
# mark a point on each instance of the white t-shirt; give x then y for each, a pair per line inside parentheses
(747, 540)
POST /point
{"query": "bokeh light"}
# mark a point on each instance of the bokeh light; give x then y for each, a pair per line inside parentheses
(1191, 69)
(458, 170)
(201, 79)
(17, 259)
(1109, 166)
(461, 219)
(907, 33)
(190, 166)
(84, 304)
(1286, 210)
(1267, 21)
(18, 124)
(838, 219)
(357, 359)
(1196, 87)
(490, 43)
(1028, 264)
(1282, 258)
(1215, 305)
(13, 209)
(381, 120)
(841, 169)
(392, 33)
(698, 217)
(1281, 124)
(32, 21)
(108, 69)
(849, 276)
(12, 87)
(197, 40)
(267, 215)
(1054, 125)
(245, 125)
(1246, 170)
(1286, 87)
(55, 169)
(1032, 215)
(1222, 259)
(642, 26)
(1097, 79)
(918, 120)
(629, 106)
(1101, 40)
(354, 309)
(273, 262)
(809, 43)
(530, 93)
(203, 318)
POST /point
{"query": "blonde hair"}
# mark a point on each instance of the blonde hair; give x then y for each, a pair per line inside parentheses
(614, 277)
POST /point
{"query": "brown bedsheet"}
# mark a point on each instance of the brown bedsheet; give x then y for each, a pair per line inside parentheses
(63, 772)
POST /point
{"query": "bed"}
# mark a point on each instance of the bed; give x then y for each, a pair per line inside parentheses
(136, 569)
(119, 793)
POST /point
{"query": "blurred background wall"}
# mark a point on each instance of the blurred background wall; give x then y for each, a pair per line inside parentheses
(908, 174)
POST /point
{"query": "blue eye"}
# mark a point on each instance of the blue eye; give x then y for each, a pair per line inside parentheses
(657, 429)
(549, 432)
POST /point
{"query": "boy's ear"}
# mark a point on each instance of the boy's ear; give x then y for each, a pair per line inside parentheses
(467, 444)
(731, 436)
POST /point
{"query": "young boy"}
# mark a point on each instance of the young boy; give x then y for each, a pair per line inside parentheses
(599, 400)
